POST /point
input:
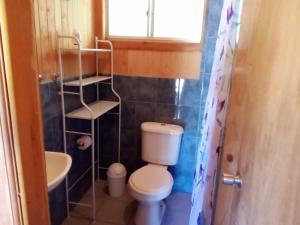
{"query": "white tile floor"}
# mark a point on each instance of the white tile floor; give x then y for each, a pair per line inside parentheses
(120, 211)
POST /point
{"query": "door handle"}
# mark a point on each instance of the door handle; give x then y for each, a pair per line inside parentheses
(229, 179)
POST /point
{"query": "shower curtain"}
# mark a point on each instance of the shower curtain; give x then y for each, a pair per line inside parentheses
(214, 116)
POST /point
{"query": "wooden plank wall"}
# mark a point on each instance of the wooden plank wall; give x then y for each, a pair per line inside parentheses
(154, 63)
(136, 61)
(54, 17)
(63, 16)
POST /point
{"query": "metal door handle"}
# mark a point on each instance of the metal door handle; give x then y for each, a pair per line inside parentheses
(229, 179)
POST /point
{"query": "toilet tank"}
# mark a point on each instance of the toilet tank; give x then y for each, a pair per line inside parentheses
(161, 143)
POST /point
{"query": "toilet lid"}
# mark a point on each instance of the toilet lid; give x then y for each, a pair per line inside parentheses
(152, 179)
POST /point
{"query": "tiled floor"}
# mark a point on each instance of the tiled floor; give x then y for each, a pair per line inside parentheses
(120, 211)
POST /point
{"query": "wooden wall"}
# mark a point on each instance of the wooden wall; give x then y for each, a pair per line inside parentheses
(153, 60)
(154, 63)
(54, 17)
(63, 16)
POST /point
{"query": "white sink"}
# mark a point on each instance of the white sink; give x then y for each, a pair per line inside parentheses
(57, 166)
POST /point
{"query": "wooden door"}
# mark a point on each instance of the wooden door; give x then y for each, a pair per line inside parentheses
(263, 125)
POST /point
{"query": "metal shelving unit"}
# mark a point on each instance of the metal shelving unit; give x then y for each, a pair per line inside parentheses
(91, 111)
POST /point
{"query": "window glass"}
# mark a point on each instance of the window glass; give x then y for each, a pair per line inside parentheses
(180, 19)
(128, 18)
(171, 19)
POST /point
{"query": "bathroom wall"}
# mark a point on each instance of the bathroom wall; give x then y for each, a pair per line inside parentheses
(174, 101)
(149, 58)
(53, 137)
(144, 99)
(54, 17)
(179, 101)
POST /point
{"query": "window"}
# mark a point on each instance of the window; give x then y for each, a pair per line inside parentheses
(156, 19)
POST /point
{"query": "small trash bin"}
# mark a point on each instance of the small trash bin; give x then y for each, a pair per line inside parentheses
(116, 175)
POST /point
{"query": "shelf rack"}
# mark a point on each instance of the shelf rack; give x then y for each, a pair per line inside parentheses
(91, 111)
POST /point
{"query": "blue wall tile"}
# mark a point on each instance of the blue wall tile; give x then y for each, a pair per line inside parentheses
(168, 91)
(144, 111)
(213, 14)
(127, 88)
(190, 92)
(130, 150)
(108, 140)
(129, 115)
(183, 172)
(208, 57)
(81, 188)
(176, 101)
(166, 113)
(146, 90)
(53, 134)
(53, 138)
(189, 118)
(57, 204)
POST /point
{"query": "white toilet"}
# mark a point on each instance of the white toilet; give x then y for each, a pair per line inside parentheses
(152, 183)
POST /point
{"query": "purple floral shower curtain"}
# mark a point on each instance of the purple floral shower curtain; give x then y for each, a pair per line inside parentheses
(215, 114)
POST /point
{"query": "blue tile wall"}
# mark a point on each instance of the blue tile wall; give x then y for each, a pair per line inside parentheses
(178, 101)
(53, 138)
(212, 20)
(57, 204)
(175, 101)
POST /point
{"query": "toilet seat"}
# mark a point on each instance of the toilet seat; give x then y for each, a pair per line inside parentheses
(151, 180)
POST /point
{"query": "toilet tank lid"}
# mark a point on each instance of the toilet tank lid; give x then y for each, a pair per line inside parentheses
(162, 128)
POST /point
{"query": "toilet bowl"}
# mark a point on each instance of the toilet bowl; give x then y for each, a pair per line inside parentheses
(149, 185)
(152, 183)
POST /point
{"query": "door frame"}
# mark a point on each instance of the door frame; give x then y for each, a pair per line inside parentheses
(23, 101)
(11, 211)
